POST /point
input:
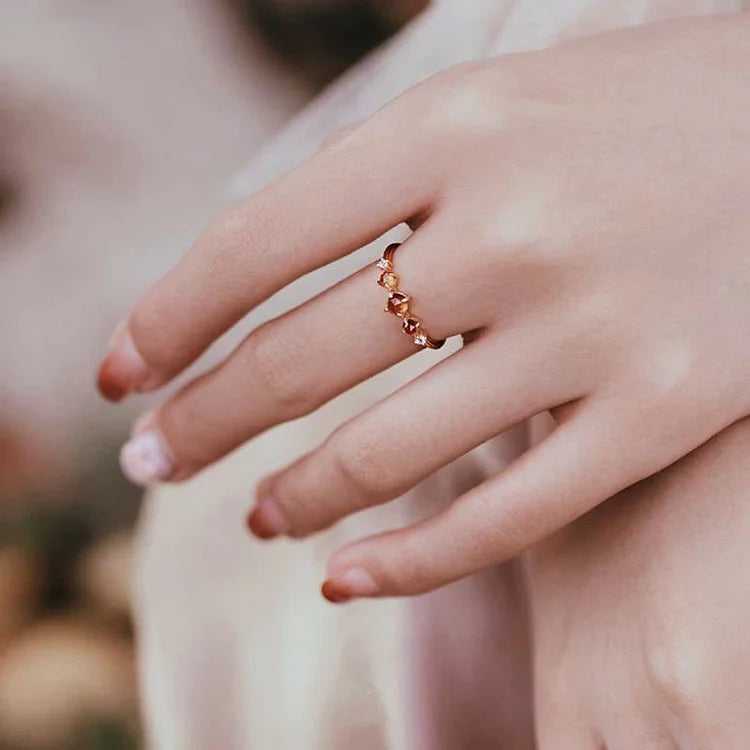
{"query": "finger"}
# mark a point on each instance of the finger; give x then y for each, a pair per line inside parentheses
(349, 193)
(292, 365)
(598, 452)
(490, 385)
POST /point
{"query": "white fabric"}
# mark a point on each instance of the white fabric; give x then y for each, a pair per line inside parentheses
(237, 649)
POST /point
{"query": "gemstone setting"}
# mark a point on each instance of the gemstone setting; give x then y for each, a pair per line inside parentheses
(397, 304)
(385, 265)
(411, 326)
(389, 280)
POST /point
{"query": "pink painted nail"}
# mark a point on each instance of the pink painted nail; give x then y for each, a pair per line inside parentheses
(123, 369)
(352, 584)
(144, 459)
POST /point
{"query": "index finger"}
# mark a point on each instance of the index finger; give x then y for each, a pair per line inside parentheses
(346, 195)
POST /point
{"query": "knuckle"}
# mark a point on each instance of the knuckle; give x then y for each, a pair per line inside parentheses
(225, 242)
(283, 371)
(458, 102)
(678, 671)
(673, 372)
(592, 323)
(511, 527)
(461, 101)
(357, 463)
(230, 223)
(520, 249)
(529, 250)
(666, 376)
(672, 401)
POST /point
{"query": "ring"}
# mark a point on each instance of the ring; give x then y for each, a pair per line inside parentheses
(398, 302)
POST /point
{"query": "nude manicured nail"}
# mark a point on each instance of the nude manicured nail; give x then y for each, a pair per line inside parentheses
(123, 369)
(144, 459)
(352, 584)
(266, 521)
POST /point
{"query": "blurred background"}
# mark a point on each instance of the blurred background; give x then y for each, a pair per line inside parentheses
(122, 124)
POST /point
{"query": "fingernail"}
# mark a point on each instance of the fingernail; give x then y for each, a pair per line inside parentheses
(144, 459)
(266, 520)
(123, 369)
(352, 584)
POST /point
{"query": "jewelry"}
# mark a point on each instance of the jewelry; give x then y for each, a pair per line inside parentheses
(398, 302)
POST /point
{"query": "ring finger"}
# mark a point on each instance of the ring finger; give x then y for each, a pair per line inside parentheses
(293, 364)
(454, 407)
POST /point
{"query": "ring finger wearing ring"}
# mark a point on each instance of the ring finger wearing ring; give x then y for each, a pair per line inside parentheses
(399, 303)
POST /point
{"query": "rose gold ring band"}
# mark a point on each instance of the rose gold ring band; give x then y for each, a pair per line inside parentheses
(398, 302)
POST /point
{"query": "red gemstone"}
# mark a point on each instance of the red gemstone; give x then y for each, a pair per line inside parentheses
(411, 326)
(397, 303)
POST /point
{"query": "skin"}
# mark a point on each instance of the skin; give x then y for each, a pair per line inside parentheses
(640, 612)
(580, 216)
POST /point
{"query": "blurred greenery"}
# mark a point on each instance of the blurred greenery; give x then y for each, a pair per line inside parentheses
(104, 734)
(98, 500)
(100, 734)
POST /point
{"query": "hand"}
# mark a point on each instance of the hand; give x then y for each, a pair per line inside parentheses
(640, 612)
(580, 212)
